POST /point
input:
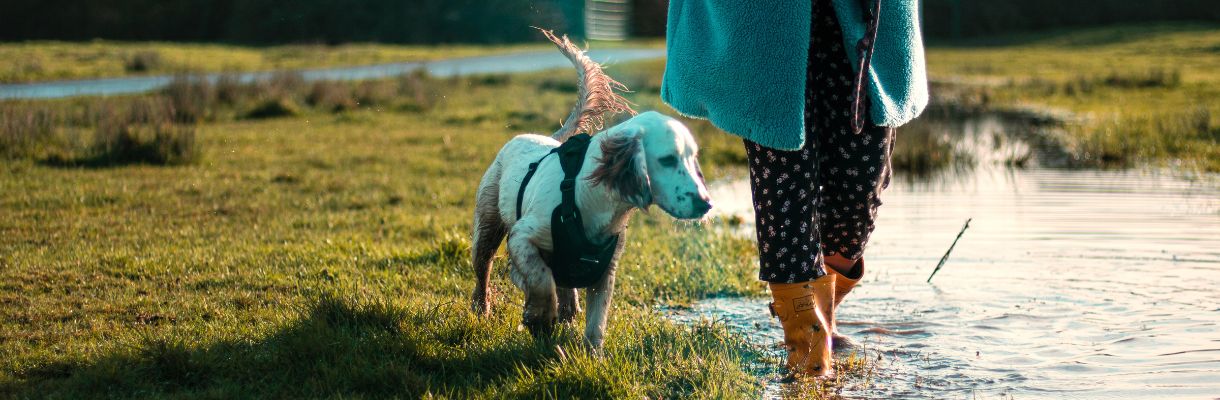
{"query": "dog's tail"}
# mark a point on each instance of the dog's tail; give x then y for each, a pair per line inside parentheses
(596, 91)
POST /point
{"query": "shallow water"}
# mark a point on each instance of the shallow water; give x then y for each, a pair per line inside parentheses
(1068, 283)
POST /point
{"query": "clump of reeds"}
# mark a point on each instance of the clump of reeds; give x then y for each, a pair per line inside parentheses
(418, 90)
(143, 61)
(159, 128)
(920, 151)
(1119, 79)
(144, 132)
(191, 97)
(274, 107)
(140, 130)
(24, 127)
(373, 94)
(229, 89)
(331, 95)
(1126, 140)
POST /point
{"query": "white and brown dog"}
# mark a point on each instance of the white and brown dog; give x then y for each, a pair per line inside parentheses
(648, 159)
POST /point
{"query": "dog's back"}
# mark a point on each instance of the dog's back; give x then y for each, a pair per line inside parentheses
(510, 167)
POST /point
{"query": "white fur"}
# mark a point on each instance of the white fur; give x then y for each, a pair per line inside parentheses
(676, 187)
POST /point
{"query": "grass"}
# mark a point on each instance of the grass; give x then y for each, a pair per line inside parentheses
(326, 254)
(1143, 94)
(49, 60)
(316, 244)
(160, 128)
(99, 133)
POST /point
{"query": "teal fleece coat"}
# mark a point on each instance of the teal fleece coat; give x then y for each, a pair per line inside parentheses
(741, 64)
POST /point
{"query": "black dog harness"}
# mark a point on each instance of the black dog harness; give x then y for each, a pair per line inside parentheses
(576, 261)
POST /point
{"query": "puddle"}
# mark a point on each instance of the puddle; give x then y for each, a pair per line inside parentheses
(1068, 283)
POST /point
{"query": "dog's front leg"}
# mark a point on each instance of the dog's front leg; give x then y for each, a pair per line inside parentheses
(597, 308)
(531, 274)
(569, 304)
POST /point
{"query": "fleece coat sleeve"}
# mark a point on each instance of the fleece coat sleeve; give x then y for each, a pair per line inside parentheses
(741, 65)
(897, 78)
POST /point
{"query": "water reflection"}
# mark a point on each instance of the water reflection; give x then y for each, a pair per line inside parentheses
(1069, 283)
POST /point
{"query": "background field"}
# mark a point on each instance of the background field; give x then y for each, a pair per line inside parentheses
(329, 251)
(312, 238)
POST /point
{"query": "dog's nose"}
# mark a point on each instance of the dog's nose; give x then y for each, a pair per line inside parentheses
(701, 205)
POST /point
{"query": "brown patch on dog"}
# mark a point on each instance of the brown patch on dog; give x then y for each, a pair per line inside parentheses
(617, 168)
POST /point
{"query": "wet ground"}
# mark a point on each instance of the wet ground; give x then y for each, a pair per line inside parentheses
(1068, 283)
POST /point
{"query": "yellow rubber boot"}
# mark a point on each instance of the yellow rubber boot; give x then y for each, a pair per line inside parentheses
(801, 309)
(843, 286)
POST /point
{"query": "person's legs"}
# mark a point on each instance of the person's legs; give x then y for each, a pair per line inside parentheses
(782, 184)
(854, 168)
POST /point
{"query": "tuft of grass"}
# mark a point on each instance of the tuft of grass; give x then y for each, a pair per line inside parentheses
(26, 128)
(274, 107)
(282, 84)
(229, 89)
(1124, 141)
(920, 150)
(145, 133)
(333, 96)
(192, 98)
(420, 90)
(101, 132)
(144, 61)
(373, 94)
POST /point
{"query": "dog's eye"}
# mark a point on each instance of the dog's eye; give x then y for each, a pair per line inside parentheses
(668, 161)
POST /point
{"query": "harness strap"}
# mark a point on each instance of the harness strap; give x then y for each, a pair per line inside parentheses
(865, 50)
(525, 182)
(576, 262)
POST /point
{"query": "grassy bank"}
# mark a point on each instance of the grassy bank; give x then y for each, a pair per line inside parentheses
(48, 60)
(1127, 95)
(324, 252)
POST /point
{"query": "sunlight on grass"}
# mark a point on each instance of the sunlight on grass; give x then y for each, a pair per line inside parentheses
(1138, 94)
(330, 250)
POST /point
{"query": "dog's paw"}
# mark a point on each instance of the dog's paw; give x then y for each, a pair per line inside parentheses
(594, 344)
(480, 304)
(540, 327)
(540, 323)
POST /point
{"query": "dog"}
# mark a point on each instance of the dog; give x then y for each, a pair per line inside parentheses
(648, 159)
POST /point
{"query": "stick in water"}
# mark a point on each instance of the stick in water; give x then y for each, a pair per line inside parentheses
(946, 256)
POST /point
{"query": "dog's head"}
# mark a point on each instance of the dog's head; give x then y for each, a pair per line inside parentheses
(651, 159)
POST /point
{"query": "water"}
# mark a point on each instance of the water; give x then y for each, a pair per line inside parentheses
(1068, 283)
(506, 63)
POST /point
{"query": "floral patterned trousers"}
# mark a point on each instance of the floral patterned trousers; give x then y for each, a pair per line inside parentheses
(822, 199)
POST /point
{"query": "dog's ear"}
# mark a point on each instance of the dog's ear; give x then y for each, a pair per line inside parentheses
(623, 168)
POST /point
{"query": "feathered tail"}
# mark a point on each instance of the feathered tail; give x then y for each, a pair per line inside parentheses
(596, 91)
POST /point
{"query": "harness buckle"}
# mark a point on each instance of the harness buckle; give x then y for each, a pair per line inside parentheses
(565, 217)
(567, 185)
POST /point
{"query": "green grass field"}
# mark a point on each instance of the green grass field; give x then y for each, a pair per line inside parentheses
(313, 239)
(326, 254)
